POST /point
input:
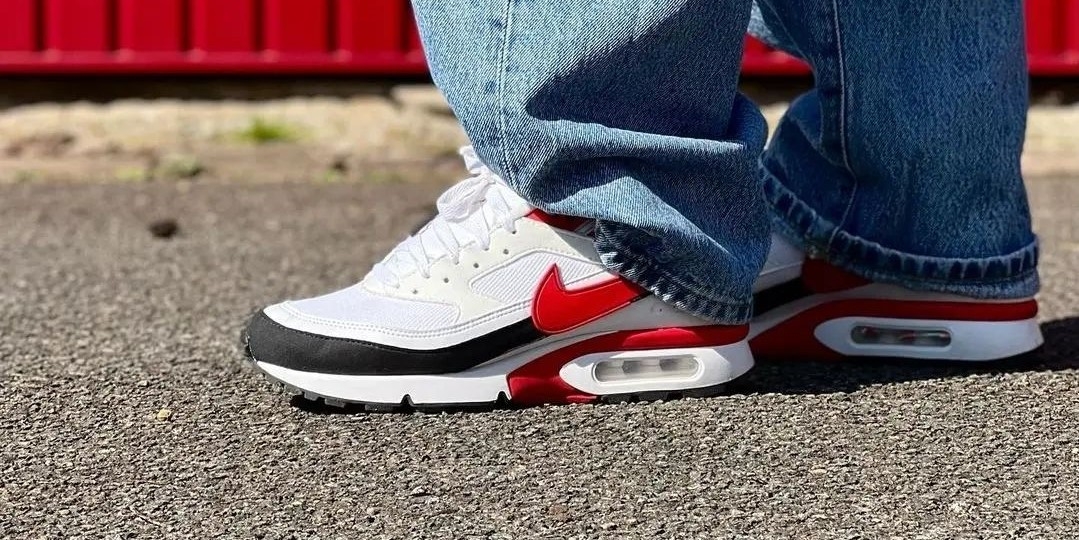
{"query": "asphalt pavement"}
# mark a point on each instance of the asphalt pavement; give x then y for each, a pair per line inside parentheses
(126, 410)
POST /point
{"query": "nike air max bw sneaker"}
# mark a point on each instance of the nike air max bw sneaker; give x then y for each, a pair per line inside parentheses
(808, 309)
(492, 301)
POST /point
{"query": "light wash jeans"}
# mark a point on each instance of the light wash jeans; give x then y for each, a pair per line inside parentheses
(902, 165)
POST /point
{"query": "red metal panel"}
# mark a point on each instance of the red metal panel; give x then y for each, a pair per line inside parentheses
(297, 25)
(1042, 26)
(224, 26)
(78, 25)
(18, 25)
(216, 64)
(320, 36)
(413, 41)
(365, 26)
(760, 59)
(1071, 30)
(754, 47)
(147, 26)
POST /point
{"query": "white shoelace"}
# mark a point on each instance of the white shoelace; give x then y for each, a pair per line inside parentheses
(468, 213)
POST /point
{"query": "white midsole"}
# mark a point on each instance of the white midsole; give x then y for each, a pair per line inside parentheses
(971, 341)
(715, 365)
(480, 384)
(484, 384)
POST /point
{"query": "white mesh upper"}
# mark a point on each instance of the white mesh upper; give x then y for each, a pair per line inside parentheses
(355, 305)
(517, 281)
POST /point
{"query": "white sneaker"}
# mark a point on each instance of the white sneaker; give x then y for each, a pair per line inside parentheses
(808, 309)
(492, 301)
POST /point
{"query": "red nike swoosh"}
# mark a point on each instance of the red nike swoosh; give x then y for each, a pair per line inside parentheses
(556, 310)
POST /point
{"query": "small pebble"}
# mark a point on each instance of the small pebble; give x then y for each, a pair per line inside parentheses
(339, 163)
(164, 228)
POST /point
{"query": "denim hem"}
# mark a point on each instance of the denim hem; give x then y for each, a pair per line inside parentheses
(674, 290)
(1013, 275)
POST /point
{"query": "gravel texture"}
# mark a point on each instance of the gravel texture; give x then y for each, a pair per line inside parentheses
(322, 138)
(125, 410)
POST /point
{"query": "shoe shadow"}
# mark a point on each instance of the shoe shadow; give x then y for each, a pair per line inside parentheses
(320, 407)
(1060, 352)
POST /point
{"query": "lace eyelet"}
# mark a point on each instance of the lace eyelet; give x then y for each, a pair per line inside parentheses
(445, 280)
(475, 265)
(505, 252)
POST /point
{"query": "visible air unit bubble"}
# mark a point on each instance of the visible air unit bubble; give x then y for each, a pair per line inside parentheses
(901, 337)
(632, 369)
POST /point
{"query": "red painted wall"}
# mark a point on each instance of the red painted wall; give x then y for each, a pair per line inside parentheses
(373, 37)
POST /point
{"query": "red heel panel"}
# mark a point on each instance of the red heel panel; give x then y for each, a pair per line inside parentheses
(538, 382)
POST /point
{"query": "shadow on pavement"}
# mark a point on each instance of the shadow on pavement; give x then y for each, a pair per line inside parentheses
(1060, 352)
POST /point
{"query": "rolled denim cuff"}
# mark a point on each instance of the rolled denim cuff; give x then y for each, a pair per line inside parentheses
(1006, 276)
(619, 254)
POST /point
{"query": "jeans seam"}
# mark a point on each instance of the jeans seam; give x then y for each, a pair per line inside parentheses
(842, 121)
(507, 18)
(842, 88)
(846, 214)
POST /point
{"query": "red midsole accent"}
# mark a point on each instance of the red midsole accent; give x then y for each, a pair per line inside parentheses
(567, 223)
(919, 309)
(821, 277)
(539, 382)
(795, 337)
